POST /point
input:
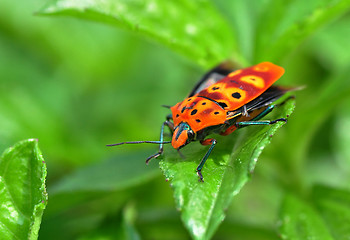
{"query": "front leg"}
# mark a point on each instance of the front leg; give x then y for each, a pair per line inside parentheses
(211, 142)
(170, 124)
(161, 140)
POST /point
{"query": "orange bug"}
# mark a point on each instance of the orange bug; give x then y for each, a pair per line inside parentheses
(221, 102)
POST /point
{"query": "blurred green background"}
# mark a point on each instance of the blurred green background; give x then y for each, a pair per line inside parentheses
(78, 85)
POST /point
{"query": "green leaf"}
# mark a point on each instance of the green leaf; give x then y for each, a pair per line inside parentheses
(283, 27)
(332, 40)
(244, 231)
(23, 194)
(244, 16)
(226, 171)
(102, 187)
(334, 206)
(300, 221)
(114, 174)
(315, 111)
(160, 222)
(192, 28)
(129, 216)
(71, 215)
(271, 29)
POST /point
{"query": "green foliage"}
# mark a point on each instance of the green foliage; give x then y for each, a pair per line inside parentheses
(114, 174)
(326, 218)
(77, 85)
(270, 30)
(171, 23)
(333, 205)
(23, 193)
(300, 221)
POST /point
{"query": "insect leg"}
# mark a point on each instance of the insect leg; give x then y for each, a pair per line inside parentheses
(245, 111)
(169, 117)
(270, 108)
(211, 142)
(170, 125)
(264, 113)
(258, 117)
(255, 121)
(264, 122)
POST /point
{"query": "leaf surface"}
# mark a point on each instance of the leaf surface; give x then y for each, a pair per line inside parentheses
(289, 23)
(300, 221)
(194, 29)
(22, 191)
(334, 207)
(114, 174)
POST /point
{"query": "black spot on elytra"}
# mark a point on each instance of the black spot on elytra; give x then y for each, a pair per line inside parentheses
(194, 112)
(215, 88)
(236, 95)
(222, 104)
(216, 113)
(203, 103)
(177, 115)
(253, 79)
(183, 109)
(189, 99)
(198, 121)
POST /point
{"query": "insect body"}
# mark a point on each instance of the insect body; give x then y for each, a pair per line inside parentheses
(222, 102)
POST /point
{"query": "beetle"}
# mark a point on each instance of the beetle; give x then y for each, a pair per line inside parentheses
(221, 102)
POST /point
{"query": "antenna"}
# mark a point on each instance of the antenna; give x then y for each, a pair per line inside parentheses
(137, 142)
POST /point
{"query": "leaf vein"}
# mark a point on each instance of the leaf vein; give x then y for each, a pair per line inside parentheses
(4, 225)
